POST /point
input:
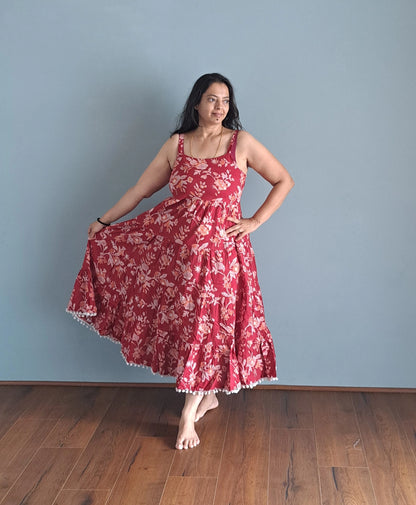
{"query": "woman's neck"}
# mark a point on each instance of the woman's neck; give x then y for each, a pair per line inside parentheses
(207, 131)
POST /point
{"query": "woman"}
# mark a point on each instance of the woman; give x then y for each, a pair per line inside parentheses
(177, 285)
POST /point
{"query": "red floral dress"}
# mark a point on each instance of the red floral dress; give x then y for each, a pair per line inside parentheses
(177, 293)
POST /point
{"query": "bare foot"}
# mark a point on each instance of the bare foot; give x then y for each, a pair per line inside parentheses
(209, 402)
(187, 436)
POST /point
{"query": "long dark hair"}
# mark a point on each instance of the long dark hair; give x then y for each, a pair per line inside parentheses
(189, 119)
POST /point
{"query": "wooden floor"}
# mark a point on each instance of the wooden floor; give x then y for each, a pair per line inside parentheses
(115, 446)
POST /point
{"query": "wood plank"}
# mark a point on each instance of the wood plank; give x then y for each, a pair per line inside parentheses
(18, 446)
(52, 402)
(45, 403)
(43, 478)
(340, 486)
(13, 399)
(103, 457)
(243, 475)
(163, 412)
(203, 461)
(13, 402)
(6, 422)
(84, 413)
(410, 431)
(83, 497)
(403, 405)
(291, 409)
(189, 491)
(293, 469)
(144, 473)
(75, 398)
(390, 460)
(338, 438)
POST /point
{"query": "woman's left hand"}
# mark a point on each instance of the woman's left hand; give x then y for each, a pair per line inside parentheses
(242, 227)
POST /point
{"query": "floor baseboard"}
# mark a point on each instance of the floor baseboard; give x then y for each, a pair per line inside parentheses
(170, 385)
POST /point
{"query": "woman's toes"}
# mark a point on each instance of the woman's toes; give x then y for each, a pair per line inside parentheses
(187, 444)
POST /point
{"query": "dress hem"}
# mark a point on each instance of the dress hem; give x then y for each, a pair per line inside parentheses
(251, 385)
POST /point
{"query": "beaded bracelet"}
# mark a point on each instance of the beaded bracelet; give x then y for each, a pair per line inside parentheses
(99, 220)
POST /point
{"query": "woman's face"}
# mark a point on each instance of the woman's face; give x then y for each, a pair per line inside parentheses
(214, 105)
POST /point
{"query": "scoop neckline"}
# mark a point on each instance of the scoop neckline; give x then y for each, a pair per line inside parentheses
(204, 159)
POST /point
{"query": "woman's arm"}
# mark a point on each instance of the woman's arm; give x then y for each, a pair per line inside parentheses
(155, 176)
(251, 153)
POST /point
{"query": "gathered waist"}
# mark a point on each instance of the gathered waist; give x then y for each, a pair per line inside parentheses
(192, 201)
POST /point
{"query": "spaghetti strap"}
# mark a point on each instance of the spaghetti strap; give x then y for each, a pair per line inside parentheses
(233, 144)
(180, 144)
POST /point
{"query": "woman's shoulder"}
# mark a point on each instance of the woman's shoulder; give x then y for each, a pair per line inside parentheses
(171, 146)
(173, 139)
(172, 142)
(244, 135)
(245, 139)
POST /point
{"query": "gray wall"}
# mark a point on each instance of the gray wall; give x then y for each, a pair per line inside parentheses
(90, 89)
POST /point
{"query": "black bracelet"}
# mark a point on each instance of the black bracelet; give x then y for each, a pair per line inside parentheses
(99, 220)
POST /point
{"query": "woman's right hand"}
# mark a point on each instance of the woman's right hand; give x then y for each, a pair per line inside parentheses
(94, 228)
